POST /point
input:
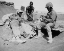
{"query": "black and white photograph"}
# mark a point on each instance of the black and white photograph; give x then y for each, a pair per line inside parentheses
(31, 25)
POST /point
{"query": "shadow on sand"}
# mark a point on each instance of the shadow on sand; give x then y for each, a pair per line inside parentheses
(54, 33)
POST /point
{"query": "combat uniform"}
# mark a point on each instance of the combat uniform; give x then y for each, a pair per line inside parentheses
(50, 21)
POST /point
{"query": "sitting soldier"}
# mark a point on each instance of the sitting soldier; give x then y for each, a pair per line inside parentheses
(50, 20)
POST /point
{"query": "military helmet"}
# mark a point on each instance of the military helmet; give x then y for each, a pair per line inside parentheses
(17, 11)
(49, 4)
(31, 3)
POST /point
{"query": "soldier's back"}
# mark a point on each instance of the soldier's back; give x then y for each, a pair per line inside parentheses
(53, 15)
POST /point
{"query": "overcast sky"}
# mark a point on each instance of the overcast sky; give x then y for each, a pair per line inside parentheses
(40, 4)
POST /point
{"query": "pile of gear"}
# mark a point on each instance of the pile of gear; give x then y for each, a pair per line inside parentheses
(23, 26)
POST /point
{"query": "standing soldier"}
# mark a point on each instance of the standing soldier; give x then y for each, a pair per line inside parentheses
(50, 20)
(29, 11)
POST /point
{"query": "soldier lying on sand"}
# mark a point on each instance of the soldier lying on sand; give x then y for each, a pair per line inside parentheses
(13, 23)
(11, 20)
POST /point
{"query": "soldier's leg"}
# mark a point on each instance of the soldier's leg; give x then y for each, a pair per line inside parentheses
(30, 17)
(48, 27)
(39, 33)
(41, 24)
